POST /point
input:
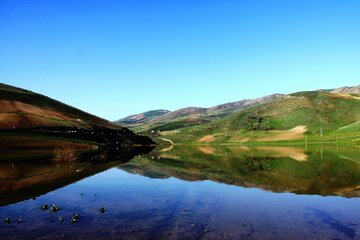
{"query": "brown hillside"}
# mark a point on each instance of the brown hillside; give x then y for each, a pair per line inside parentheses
(21, 109)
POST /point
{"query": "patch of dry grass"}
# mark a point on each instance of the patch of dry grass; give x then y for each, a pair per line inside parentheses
(69, 152)
(207, 138)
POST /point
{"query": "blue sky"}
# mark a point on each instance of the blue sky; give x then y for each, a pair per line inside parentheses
(115, 58)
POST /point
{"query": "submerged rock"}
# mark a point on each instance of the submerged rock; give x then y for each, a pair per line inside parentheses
(75, 218)
(44, 207)
(102, 209)
(55, 208)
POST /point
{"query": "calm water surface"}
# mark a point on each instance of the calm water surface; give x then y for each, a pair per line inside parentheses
(188, 193)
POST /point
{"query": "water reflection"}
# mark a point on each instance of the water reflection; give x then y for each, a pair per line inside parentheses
(201, 192)
(277, 169)
(40, 174)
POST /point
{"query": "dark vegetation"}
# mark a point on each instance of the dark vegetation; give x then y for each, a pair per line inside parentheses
(255, 122)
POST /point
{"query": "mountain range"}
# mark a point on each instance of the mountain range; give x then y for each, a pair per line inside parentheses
(277, 117)
(159, 119)
(332, 114)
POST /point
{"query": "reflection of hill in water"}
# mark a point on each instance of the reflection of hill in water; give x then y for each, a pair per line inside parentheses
(30, 179)
(278, 169)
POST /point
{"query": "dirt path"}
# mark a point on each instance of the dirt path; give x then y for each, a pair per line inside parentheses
(169, 141)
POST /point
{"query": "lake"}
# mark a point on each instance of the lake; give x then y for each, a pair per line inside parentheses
(199, 192)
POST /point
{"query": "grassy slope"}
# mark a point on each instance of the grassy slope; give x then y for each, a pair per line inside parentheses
(337, 116)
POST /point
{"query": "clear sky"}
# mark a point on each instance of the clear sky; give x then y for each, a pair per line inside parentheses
(115, 58)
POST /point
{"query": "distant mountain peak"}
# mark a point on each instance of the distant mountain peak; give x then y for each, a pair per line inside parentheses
(142, 117)
(247, 102)
(346, 90)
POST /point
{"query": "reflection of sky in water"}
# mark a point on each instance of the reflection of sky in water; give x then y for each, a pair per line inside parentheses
(138, 207)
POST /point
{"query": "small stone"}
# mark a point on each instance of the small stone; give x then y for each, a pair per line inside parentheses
(75, 218)
(44, 207)
(7, 221)
(55, 208)
(19, 220)
(61, 219)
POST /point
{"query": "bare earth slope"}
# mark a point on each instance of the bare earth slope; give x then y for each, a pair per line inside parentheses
(347, 90)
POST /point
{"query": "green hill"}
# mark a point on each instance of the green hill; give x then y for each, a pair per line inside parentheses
(315, 114)
(314, 110)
